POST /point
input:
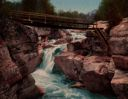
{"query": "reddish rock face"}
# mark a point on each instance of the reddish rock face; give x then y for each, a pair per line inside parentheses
(119, 39)
(18, 58)
(97, 71)
(70, 64)
(120, 30)
(92, 71)
(119, 47)
(120, 84)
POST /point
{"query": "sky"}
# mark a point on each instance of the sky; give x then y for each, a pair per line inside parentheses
(83, 6)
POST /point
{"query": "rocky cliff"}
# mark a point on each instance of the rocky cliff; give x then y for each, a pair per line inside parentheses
(119, 46)
(18, 59)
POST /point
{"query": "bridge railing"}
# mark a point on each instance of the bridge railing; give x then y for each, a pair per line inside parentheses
(32, 18)
(39, 16)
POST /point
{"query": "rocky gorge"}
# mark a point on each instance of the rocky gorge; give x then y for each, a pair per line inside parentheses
(89, 63)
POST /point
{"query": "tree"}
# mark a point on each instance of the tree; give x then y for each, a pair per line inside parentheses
(42, 6)
(71, 14)
(29, 5)
(6, 6)
(46, 7)
(110, 10)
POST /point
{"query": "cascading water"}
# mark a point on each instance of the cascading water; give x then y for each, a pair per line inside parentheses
(77, 36)
(48, 57)
(56, 85)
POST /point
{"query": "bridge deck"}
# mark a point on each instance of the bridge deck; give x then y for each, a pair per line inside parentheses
(37, 19)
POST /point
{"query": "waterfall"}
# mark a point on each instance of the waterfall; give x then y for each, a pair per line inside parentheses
(48, 57)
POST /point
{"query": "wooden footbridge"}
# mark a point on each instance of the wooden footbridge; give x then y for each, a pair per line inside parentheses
(57, 22)
(52, 21)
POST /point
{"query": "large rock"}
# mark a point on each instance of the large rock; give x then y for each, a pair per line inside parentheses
(18, 58)
(119, 39)
(97, 71)
(23, 89)
(70, 64)
(9, 71)
(119, 47)
(92, 71)
(120, 84)
(120, 30)
(28, 89)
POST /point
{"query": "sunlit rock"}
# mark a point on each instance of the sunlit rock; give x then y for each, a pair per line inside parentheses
(102, 24)
(92, 71)
(119, 49)
(120, 84)
(119, 39)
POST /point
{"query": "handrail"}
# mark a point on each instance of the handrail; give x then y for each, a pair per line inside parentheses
(39, 19)
(47, 16)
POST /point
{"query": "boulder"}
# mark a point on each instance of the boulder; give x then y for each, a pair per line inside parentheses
(120, 30)
(70, 64)
(120, 84)
(119, 45)
(119, 39)
(18, 58)
(28, 89)
(92, 71)
(99, 67)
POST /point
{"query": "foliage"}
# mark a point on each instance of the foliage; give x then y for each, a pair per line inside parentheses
(28, 5)
(112, 10)
(42, 6)
(71, 14)
(6, 6)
